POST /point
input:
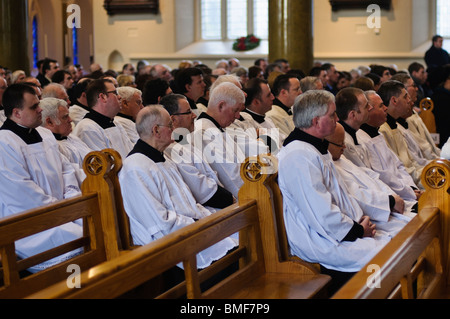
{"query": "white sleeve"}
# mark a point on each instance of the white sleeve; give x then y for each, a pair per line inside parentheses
(150, 213)
(18, 192)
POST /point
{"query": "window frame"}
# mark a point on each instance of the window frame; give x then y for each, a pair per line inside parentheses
(436, 27)
(224, 21)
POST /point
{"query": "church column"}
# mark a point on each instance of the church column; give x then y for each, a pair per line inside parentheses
(14, 35)
(290, 32)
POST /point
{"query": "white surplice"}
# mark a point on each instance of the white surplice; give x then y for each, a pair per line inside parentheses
(445, 152)
(372, 196)
(75, 150)
(256, 130)
(356, 153)
(413, 146)
(221, 152)
(387, 164)
(423, 137)
(158, 202)
(129, 126)
(196, 173)
(283, 121)
(77, 113)
(319, 213)
(97, 138)
(33, 175)
(397, 143)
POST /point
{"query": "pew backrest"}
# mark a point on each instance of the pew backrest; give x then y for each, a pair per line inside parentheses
(98, 244)
(426, 114)
(264, 272)
(414, 264)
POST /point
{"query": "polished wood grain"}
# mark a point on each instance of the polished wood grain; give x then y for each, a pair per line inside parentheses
(264, 271)
(418, 254)
(99, 242)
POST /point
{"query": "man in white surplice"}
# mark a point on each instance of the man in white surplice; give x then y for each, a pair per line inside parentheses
(79, 109)
(258, 102)
(382, 159)
(216, 143)
(97, 129)
(244, 135)
(387, 209)
(398, 103)
(414, 125)
(323, 223)
(56, 118)
(131, 104)
(197, 173)
(285, 88)
(156, 198)
(33, 173)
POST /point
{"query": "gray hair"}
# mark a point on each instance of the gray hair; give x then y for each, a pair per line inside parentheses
(50, 108)
(309, 83)
(148, 117)
(309, 105)
(52, 90)
(127, 92)
(369, 93)
(232, 78)
(228, 93)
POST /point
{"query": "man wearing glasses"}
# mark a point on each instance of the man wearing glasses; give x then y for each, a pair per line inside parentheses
(156, 198)
(97, 129)
(197, 173)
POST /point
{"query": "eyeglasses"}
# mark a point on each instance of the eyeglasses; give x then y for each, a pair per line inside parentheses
(170, 125)
(184, 113)
(113, 92)
(338, 145)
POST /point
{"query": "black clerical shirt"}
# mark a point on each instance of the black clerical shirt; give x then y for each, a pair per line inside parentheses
(284, 107)
(350, 130)
(370, 130)
(147, 150)
(203, 115)
(28, 135)
(102, 120)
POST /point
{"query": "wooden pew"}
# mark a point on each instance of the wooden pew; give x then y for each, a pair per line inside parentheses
(265, 268)
(427, 115)
(99, 242)
(415, 264)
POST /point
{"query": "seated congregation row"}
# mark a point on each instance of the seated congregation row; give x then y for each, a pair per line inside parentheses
(349, 165)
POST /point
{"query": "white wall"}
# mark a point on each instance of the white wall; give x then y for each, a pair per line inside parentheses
(343, 37)
(340, 37)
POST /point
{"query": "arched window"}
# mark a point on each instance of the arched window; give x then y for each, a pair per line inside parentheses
(230, 19)
(442, 20)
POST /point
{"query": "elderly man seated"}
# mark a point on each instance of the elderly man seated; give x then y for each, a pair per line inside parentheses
(324, 224)
(156, 198)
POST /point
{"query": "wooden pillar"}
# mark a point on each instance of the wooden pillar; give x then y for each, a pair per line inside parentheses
(14, 35)
(290, 32)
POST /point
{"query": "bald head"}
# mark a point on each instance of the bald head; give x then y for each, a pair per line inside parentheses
(337, 145)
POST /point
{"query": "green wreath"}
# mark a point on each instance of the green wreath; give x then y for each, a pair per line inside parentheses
(246, 43)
